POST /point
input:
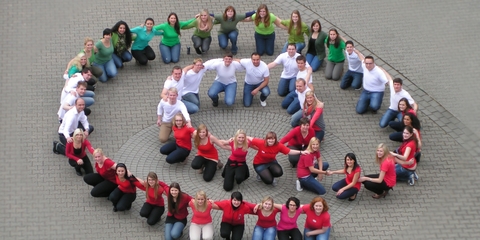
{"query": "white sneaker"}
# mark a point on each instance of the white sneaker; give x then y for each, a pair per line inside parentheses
(274, 183)
(263, 103)
(299, 186)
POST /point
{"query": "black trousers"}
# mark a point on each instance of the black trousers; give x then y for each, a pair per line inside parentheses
(142, 56)
(122, 201)
(231, 232)
(153, 213)
(234, 171)
(87, 165)
(377, 188)
(210, 167)
(293, 234)
(101, 187)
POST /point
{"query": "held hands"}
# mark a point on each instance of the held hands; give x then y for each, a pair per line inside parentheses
(329, 173)
(362, 179)
(80, 162)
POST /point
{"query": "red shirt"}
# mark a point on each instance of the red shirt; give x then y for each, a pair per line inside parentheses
(313, 118)
(182, 205)
(208, 150)
(201, 217)
(69, 150)
(127, 186)
(238, 155)
(314, 221)
(267, 154)
(305, 162)
(183, 136)
(267, 221)
(151, 194)
(106, 170)
(235, 217)
(388, 166)
(413, 149)
(349, 177)
(296, 139)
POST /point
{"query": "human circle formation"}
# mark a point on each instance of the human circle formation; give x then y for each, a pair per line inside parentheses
(261, 163)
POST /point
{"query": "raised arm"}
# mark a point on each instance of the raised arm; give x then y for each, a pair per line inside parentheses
(360, 55)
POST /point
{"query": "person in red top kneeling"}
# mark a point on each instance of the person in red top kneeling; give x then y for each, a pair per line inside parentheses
(103, 181)
(201, 226)
(179, 150)
(349, 186)
(154, 207)
(381, 183)
(77, 156)
(177, 210)
(126, 192)
(236, 168)
(265, 162)
(233, 219)
(317, 223)
(298, 139)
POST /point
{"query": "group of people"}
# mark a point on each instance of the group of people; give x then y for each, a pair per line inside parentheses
(99, 61)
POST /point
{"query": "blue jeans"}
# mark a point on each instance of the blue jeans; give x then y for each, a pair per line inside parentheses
(170, 54)
(299, 47)
(192, 102)
(173, 230)
(286, 85)
(109, 70)
(314, 62)
(265, 43)
(403, 174)
(369, 99)
(323, 236)
(230, 92)
(351, 78)
(291, 103)
(389, 116)
(124, 57)
(175, 153)
(260, 233)
(310, 183)
(247, 93)
(88, 98)
(296, 118)
(345, 194)
(223, 40)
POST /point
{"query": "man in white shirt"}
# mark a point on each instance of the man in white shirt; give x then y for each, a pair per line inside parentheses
(290, 102)
(374, 80)
(73, 119)
(175, 80)
(225, 81)
(69, 101)
(290, 70)
(256, 79)
(354, 76)
(72, 82)
(396, 93)
(193, 76)
(166, 111)
(301, 88)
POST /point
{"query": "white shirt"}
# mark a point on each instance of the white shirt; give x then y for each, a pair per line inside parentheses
(71, 85)
(303, 74)
(290, 68)
(396, 96)
(169, 83)
(70, 100)
(192, 81)
(301, 96)
(225, 75)
(168, 111)
(375, 80)
(254, 75)
(354, 62)
(70, 122)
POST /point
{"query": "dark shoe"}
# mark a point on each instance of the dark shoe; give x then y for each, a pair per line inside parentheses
(129, 207)
(352, 198)
(115, 209)
(215, 104)
(79, 173)
(377, 196)
(55, 143)
(198, 51)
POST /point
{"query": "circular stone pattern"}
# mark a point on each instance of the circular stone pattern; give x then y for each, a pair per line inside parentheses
(141, 155)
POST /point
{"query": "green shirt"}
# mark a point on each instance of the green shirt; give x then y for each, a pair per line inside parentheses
(170, 36)
(199, 33)
(320, 45)
(261, 29)
(104, 54)
(229, 25)
(336, 54)
(292, 35)
(91, 59)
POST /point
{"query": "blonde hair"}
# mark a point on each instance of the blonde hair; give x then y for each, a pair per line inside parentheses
(87, 39)
(209, 21)
(312, 140)
(245, 143)
(308, 94)
(266, 199)
(78, 131)
(76, 62)
(204, 195)
(386, 153)
(99, 151)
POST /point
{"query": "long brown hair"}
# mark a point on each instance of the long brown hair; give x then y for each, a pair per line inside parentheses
(298, 27)
(196, 139)
(170, 198)
(153, 176)
(225, 12)
(266, 20)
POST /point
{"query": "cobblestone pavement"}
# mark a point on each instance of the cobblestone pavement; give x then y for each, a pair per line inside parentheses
(44, 199)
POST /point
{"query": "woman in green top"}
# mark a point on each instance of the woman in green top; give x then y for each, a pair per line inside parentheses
(316, 46)
(201, 36)
(336, 57)
(228, 27)
(122, 41)
(89, 52)
(103, 56)
(296, 30)
(264, 30)
(141, 51)
(170, 44)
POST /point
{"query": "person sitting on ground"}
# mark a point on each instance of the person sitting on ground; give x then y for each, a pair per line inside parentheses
(291, 102)
(308, 169)
(409, 119)
(225, 81)
(313, 110)
(154, 207)
(287, 227)
(166, 110)
(177, 213)
(126, 192)
(236, 168)
(298, 139)
(374, 80)
(103, 181)
(257, 77)
(76, 154)
(317, 223)
(349, 186)
(179, 150)
(266, 226)
(406, 163)
(354, 76)
(201, 226)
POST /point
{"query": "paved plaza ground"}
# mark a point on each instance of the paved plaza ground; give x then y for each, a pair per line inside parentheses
(431, 45)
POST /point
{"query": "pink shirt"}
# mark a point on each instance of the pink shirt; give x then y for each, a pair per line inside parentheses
(287, 223)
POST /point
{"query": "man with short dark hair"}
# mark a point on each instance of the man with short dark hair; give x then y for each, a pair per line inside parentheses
(225, 81)
(354, 76)
(374, 80)
(256, 79)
